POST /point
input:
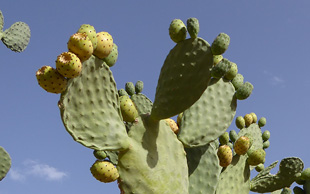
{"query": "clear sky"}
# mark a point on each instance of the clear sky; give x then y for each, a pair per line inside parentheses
(269, 42)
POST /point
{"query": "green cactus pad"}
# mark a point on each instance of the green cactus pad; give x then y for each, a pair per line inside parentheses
(203, 167)
(5, 163)
(235, 179)
(111, 59)
(155, 161)
(90, 108)
(1, 22)
(183, 78)
(113, 156)
(210, 116)
(17, 36)
(306, 187)
(193, 27)
(288, 169)
(142, 102)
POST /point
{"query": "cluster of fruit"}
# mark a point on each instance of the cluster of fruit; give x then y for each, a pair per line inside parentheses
(241, 145)
(81, 46)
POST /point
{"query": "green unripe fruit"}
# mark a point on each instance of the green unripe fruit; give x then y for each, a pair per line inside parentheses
(230, 145)
(266, 135)
(139, 87)
(232, 72)
(242, 145)
(299, 180)
(244, 91)
(217, 59)
(224, 138)
(256, 157)
(220, 44)
(100, 154)
(128, 109)
(224, 154)
(305, 175)
(248, 120)
(177, 30)
(193, 27)
(240, 122)
(104, 171)
(254, 117)
(233, 135)
(91, 33)
(238, 81)
(81, 45)
(111, 59)
(262, 122)
(69, 65)
(266, 144)
(298, 190)
(286, 190)
(122, 92)
(130, 88)
(259, 167)
(220, 69)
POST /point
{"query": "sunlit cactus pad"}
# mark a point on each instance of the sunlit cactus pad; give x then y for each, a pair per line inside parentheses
(5, 163)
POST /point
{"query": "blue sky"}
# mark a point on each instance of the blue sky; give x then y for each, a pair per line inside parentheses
(269, 42)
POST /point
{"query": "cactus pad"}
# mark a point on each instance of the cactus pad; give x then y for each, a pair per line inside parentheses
(90, 108)
(17, 36)
(5, 163)
(210, 116)
(1, 22)
(155, 161)
(183, 78)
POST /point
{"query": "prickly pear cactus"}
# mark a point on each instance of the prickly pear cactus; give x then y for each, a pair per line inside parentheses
(134, 143)
(5, 163)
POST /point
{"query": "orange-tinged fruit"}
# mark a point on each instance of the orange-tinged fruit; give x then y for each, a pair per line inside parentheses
(51, 80)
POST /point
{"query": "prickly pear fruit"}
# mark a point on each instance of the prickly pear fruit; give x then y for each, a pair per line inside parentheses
(130, 88)
(100, 154)
(242, 145)
(248, 120)
(260, 167)
(232, 72)
(266, 144)
(224, 138)
(220, 44)
(80, 44)
(286, 190)
(111, 59)
(139, 87)
(68, 64)
(173, 125)
(244, 91)
(237, 81)
(122, 92)
(254, 117)
(224, 154)
(91, 33)
(177, 30)
(193, 27)
(266, 135)
(128, 109)
(51, 80)
(262, 122)
(104, 171)
(256, 157)
(104, 45)
(240, 122)
(305, 175)
(220, 69)
(179, 119)
(217, 59)
(233, 135)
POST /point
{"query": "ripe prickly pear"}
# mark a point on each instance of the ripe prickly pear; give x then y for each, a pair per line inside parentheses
(224, 138)
(104, 45)
(232, 72)
(254, 117)
(224, 154)
(220, 44)
(91, 33)
(242, 145)
(111, 59)
(68, 64)
(177, 30)
(256, 157)
(80, 44)
(248, 120)
(51, 80)
(104, 171)
(173, 125)
(244, 91)
(240, 122)
(262, 122)
(193, 27)
(128, 109)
